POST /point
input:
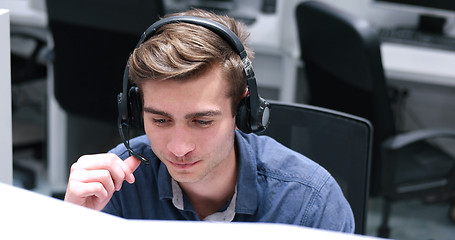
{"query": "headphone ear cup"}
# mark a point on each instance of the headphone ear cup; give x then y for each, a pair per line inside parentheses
(135, 107)
(242, 120)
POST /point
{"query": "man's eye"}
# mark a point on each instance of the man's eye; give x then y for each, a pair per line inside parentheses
(159, 121)
(204, 123)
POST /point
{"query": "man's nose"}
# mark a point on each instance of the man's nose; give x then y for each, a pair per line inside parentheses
(181, 142)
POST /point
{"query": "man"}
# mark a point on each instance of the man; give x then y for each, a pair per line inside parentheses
(202, 167)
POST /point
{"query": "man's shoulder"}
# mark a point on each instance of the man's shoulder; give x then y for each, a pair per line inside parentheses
(311, 194)
(279, 162)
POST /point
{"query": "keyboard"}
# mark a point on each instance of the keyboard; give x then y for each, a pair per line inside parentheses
(417, 38)
(245, 19)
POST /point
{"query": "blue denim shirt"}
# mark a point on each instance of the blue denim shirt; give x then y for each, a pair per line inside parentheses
(275, 184)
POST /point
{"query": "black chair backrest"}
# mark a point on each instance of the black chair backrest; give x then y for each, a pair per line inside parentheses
(339, 142)
(92, 42)
(344, 69)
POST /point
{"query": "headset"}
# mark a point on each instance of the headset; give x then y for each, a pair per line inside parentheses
(253, 114)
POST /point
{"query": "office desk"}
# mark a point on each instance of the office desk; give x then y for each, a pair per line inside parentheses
(428, 75)
(28, 215)
(23, 14)
(24, 18)
(417, 64)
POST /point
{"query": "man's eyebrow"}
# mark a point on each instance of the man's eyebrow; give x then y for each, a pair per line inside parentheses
(157, 112)
(208, 113)
(188, 116)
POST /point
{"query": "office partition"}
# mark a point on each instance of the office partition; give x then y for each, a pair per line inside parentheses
(6, 149)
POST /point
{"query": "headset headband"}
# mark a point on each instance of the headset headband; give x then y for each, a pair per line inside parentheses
(215, 27)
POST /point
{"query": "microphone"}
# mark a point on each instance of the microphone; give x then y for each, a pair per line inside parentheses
(127, 142)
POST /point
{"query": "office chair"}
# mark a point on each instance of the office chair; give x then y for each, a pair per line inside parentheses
(344, 72)
(92, 42)
(339, 142)
(26, 68)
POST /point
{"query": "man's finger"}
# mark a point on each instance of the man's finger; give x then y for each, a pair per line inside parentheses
(132, 163)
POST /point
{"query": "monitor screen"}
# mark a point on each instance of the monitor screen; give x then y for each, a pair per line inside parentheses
(433, 13)
(448, 5)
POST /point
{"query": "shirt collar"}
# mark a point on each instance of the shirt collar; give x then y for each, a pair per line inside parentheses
(224, 216)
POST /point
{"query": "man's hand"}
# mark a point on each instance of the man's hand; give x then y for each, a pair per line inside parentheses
(94, 179)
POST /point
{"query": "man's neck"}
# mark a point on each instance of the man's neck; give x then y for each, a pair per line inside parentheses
(212, 193)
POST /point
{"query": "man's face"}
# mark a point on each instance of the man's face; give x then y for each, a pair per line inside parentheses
(190, 125)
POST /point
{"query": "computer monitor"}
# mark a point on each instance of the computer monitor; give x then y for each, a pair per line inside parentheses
(432, 13)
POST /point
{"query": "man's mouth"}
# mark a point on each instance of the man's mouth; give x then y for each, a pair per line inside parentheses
(183, 165)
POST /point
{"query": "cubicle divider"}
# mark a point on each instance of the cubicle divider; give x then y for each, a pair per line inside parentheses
(6, 149)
